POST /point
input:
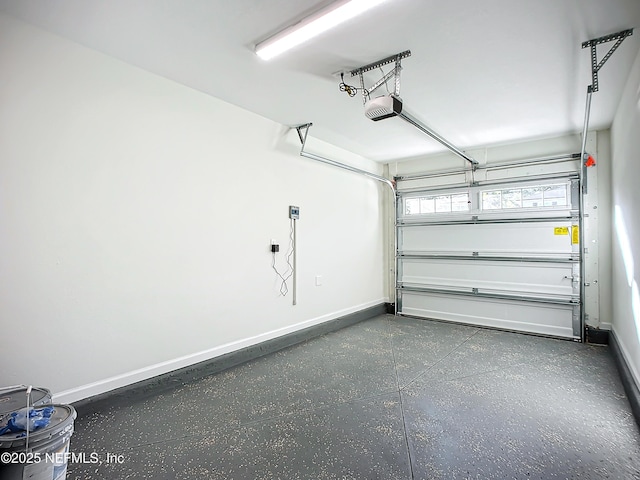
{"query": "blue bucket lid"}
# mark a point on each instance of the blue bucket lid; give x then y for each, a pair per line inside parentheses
(15, 399)
(60, 424)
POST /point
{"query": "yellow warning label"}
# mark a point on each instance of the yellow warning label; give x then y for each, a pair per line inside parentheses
(575, 234)
(561, 231)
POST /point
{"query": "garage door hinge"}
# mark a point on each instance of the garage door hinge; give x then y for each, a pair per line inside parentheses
(474, 291)
(475, 254)
(474, 218)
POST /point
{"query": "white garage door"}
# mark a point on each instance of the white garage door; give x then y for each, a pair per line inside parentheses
(502, 255)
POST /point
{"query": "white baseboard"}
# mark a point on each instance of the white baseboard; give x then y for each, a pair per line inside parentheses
(128, 378)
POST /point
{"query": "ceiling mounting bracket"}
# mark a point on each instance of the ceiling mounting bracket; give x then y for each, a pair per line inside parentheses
(595, 66)
(397, 59)
(301, 136)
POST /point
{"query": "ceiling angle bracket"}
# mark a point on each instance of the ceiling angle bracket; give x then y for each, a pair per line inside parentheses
(595, 66)
(397, 59)
(303, 138)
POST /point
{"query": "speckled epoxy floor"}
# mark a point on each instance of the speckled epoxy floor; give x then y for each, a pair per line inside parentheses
(389, 398)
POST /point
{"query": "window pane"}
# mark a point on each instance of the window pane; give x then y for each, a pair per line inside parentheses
(512, 198)
(443, 204)
(532, 197)
(427, 205)
(412, 206)
(491, 200)
(460, 202)
(555, 195)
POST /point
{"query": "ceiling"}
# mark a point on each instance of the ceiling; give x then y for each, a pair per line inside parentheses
(481, 72)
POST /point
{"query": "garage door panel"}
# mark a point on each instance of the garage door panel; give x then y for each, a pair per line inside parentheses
(554, 320)
(550, 239)
(543, 279)
(502, 254)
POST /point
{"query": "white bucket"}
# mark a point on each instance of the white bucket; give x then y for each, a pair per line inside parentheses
(46, 456)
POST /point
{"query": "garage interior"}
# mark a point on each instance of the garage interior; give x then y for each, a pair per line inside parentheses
(231, 271)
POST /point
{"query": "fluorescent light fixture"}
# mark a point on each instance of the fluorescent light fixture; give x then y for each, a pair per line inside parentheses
(312, 26)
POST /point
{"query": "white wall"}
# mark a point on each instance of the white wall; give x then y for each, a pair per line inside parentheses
(625, 147)
(136, 216)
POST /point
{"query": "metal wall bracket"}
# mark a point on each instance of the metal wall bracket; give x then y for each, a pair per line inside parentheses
(595, 65)
(301, 136)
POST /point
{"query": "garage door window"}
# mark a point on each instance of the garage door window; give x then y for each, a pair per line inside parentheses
(544, 197)
(538, 196)
(434, 204)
